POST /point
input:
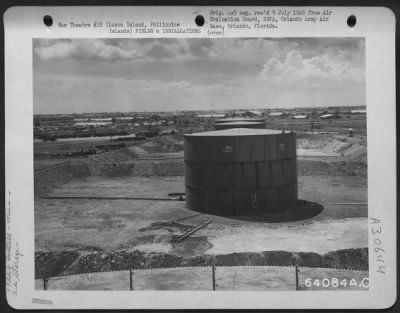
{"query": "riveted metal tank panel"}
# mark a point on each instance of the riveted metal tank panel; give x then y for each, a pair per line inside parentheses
(249, 149)
(270, 147)
(194, 149)
(241, 172)
(220, 149)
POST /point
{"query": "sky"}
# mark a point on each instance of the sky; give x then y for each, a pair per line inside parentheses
(136, 75)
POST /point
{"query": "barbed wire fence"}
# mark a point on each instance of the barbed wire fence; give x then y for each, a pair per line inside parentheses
(132, 272)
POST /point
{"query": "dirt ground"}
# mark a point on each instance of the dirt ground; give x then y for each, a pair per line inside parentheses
(117, 224)
(92, 233)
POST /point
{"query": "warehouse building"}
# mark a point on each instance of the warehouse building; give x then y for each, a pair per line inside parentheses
(276, 114)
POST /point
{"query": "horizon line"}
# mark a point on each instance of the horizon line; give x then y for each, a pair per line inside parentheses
(202, 110)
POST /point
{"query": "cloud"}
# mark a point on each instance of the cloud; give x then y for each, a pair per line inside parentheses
(158, 52)
(58, 93)
(166, 49)
(157, 73)
(179, 85)
(312, 72)
(82, 49)
(237, 50)
(202, 48)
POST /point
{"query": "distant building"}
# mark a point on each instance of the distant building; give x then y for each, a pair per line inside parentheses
(239, 113)
(326, 116)
(93, 124)
(252, 113)
(276, 114)
(300, 117)
(239, 119)
(168, 132)
(177, 113)
(358, 112)
(215, 115)
(124, 118)
(107, 119)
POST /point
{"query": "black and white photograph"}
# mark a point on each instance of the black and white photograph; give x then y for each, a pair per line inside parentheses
(200, 164)
(200, 158)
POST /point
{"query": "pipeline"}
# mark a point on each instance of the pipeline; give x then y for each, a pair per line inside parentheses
(158, 159)
(352, 203)
(192, 230)
(183, 218)
(110, 198)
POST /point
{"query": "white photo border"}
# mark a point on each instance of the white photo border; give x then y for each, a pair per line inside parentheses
(376, 25)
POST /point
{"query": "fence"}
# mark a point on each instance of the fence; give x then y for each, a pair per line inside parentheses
(211, 278)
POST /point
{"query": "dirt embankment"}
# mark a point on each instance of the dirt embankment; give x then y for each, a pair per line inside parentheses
(118, 163)
(347, 156)
(131, 161)
(112, 163)
(107, 164)
(341, 168)
(163, 144)
(353, 149)
(48, 178)
(158, 157)
(67, 263)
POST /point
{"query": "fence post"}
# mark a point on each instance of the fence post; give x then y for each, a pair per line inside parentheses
(213, 276)
(131, 278)
(297, 277)
(44, 283)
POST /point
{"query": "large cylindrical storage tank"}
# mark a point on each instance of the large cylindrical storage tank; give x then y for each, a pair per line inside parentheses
(239, 119)
(240, 171)
(239, 124)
